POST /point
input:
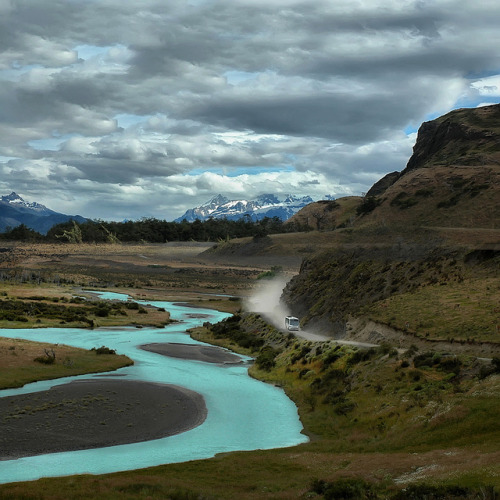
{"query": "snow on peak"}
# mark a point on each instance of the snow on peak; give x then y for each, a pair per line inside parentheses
(14, 199)
(265, 205)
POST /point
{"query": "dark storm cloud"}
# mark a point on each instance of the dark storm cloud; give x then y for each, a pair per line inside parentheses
(335, 117)
(133, 97)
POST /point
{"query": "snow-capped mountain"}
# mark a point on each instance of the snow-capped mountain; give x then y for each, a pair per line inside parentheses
(15, 200)
(266, 205)
(15, 211)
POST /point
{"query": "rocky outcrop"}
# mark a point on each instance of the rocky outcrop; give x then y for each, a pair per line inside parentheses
(380, 186)
(451, 180)
(462, 137)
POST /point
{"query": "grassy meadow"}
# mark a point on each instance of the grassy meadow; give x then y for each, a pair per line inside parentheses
(24, 361)
(382, 423)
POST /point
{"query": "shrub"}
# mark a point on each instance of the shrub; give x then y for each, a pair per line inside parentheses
(102, 311)
(431, 492)
(425, 359)
(368, 204)
(275, 271)
(266, 358)
(361, 355)
(403, 201)
(103, 350)
(344, 407)
(449, 203)
(131, 305)
(450, 364)
(424, 193)
(487, 370)
(48, 359)
(345, 488)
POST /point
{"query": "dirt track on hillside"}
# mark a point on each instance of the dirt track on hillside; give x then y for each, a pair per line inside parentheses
(362, 330)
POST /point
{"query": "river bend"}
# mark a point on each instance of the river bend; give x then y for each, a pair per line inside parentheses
(243, 413)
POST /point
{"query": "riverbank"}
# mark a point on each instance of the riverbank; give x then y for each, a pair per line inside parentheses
(207, 354)
(93, 414)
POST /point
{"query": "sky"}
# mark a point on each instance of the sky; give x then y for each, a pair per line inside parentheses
(116, 110)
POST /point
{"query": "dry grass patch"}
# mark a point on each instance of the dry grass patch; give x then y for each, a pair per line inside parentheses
(17, 359)
(467, 311)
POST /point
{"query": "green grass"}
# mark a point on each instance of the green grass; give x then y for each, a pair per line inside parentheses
(402, 416)
(460, 311)
(388, 433)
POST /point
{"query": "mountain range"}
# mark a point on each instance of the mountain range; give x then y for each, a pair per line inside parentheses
(15, 211)
(266, 205)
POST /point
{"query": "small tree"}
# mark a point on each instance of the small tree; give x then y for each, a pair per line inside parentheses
(48, 359)
(74, 235)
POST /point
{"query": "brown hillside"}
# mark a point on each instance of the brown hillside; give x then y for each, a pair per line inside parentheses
(457, 196)
(327, 215)
(462, 137)
(449, 192)
(451, 180)
(434, 225)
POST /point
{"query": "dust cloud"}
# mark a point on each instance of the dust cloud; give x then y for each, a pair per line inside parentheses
(265, 300)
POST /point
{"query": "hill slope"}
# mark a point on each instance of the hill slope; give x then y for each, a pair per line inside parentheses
(452, 182)
(433, 228)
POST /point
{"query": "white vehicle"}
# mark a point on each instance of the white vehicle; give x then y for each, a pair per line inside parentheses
(292, 323)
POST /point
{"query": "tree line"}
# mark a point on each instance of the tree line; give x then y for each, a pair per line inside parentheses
(151, 230)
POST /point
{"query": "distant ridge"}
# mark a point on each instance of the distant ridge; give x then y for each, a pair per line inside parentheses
(15, 211)
(266, 205)
(451, 180)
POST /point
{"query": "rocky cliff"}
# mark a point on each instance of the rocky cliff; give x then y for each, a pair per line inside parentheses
(451, 183)
(463, 137)
(451, 180)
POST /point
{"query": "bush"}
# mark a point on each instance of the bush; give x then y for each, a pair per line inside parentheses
(431, 492)
(361, 355)
(493, 367)
(344, 407)
(266, 358)
(48, 359)
(131, 305)
(103, 350)
(102, 311)
(426, 359)
(424, 193)
(449, 203)
(368, 204)
(346, 488)
(450, 365)
(275, 271)
(403, 201)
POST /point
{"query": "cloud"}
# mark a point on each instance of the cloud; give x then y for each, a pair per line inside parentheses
(125, 110)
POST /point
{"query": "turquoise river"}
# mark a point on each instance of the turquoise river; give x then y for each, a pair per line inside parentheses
(243, 414)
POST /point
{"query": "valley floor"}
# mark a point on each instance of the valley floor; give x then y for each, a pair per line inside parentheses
(171, 272)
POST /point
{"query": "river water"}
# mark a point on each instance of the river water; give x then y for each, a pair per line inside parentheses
(243, 414)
